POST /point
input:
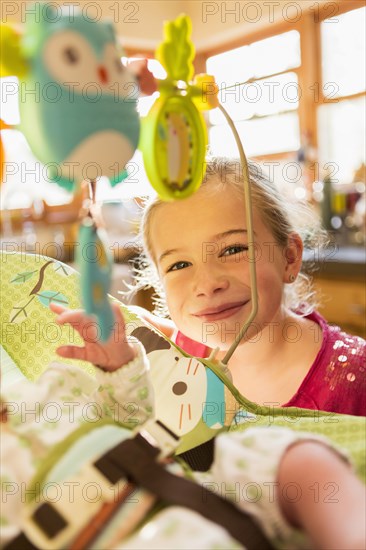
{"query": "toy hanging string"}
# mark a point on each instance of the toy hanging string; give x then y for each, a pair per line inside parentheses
(249, 218)
(251, 248)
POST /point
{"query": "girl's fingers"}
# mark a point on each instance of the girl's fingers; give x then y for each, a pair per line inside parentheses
(87, 326)
(118, 316)
(57, 308)
(72, 352)
(119, 331)
(78, 320)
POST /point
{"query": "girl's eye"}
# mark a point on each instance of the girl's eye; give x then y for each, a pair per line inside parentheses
(177, 266)
(234, 249)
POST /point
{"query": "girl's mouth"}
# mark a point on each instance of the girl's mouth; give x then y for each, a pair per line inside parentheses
(220, 312)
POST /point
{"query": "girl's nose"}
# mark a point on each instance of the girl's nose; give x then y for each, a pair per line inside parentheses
(207, 282)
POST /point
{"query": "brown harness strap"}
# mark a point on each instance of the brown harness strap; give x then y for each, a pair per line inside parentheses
(134, 456)
(136, 460)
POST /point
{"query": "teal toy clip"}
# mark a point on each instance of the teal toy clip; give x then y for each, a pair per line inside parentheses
(95, 266)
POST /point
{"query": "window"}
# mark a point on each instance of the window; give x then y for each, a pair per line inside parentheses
(265, 110)
(298, 97)
(341, 116)
(343, 52)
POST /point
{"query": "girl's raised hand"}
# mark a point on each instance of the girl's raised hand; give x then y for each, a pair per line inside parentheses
(110, 355)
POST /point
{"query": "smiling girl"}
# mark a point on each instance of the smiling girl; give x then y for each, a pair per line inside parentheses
(197, 259)
(197, 256)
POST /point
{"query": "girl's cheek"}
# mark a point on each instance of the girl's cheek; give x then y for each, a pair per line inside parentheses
(171, 298)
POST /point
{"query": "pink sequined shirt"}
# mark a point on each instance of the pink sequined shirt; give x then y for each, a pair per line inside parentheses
(336, 380)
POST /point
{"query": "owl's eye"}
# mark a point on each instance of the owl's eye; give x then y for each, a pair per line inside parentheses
(71, 55)
(119, 65)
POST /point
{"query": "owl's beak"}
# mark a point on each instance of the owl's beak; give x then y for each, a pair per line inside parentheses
(103, 75)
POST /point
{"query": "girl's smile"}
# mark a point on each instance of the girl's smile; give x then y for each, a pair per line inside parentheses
(220, 312)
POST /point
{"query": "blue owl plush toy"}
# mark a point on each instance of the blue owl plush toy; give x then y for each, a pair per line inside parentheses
(77, 100)
(78, 112)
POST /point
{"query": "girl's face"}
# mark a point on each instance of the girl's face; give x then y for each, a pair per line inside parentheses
(200, 246)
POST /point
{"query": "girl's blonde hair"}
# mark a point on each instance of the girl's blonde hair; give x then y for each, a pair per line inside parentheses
(281, 216)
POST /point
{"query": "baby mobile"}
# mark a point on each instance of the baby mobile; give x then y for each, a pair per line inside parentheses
(82, 123)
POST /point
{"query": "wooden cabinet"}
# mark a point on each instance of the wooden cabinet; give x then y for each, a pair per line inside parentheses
(343, 302)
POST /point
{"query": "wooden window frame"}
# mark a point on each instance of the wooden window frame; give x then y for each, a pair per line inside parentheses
(309, 73)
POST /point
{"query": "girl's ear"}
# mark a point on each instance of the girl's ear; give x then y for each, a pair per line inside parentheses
(293, 257)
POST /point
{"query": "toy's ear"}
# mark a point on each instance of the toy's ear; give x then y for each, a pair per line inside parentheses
(150, 339)
(13, 62)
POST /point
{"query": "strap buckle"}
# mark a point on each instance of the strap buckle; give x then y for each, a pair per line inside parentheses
(158, 435)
